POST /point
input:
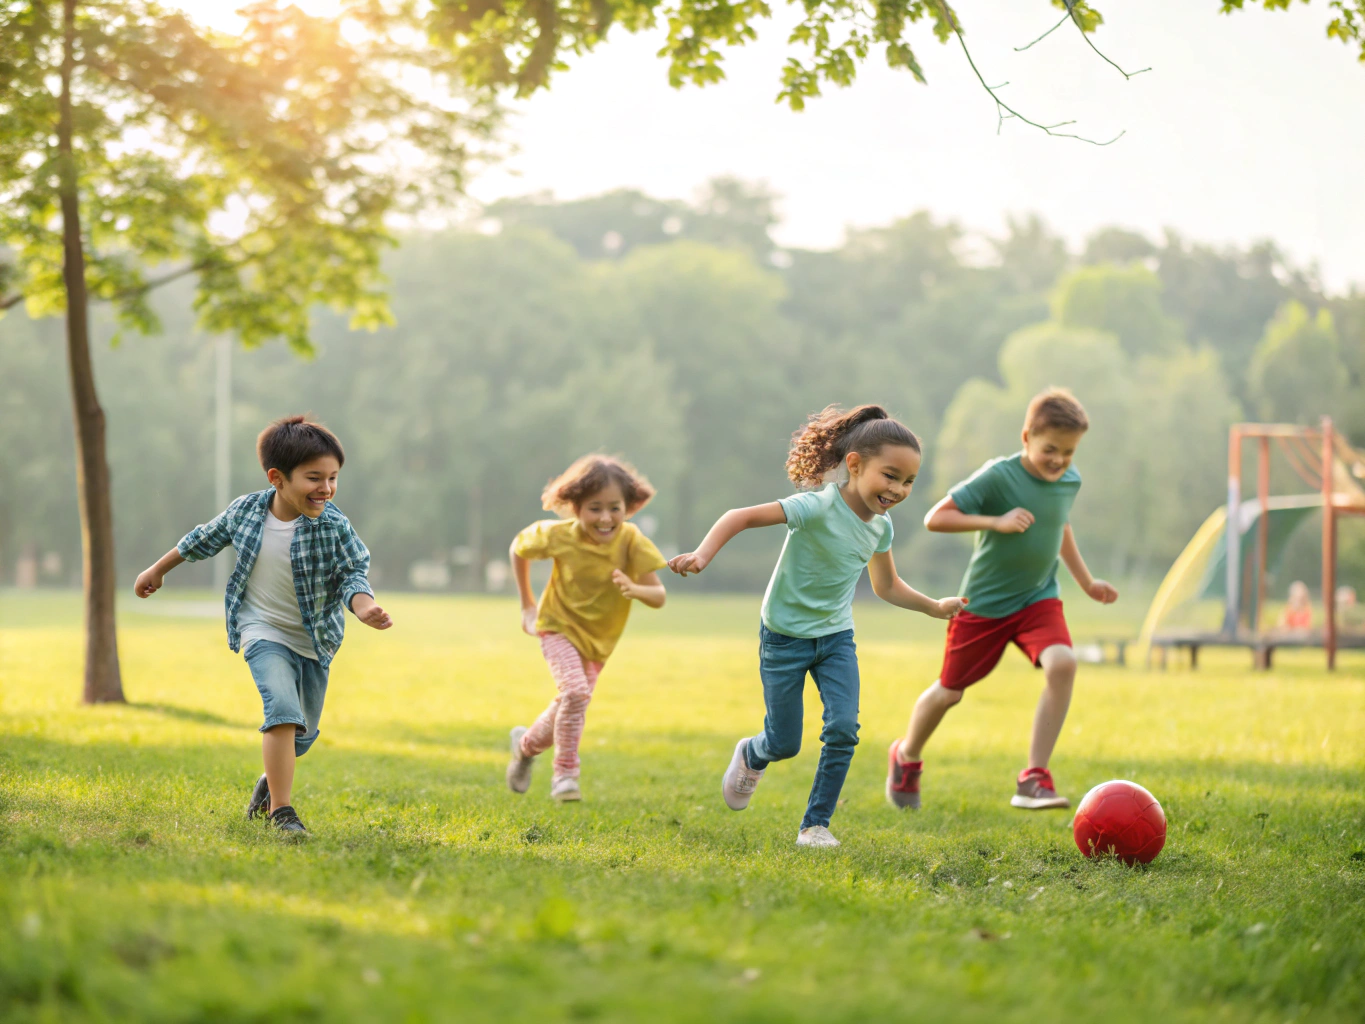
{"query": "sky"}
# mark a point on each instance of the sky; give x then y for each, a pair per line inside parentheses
(1247, 126)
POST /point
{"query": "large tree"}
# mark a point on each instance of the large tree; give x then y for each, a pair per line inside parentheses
(521, 45)
(137, 147)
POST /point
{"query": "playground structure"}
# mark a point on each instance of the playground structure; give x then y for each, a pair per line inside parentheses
(1231, 555)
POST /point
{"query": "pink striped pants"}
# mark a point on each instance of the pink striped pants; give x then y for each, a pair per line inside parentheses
(561, 724)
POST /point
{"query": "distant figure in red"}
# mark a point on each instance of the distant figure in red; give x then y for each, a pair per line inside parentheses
(1297, 616)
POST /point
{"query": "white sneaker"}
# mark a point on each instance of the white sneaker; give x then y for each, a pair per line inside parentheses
(564, 788)
(816, 835)
(740, 781)
(519, 767)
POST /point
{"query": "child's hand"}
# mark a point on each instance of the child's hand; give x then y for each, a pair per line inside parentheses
(1103, 592)
(948, 607)
(529, 614)
(693, 561)
(1016, 520)
(148, 582)
(368, 612)
(625, 584)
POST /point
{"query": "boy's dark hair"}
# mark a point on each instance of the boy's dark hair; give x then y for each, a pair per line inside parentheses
(1056, 409)
(290, 442)
(566, 493)
(830, 434)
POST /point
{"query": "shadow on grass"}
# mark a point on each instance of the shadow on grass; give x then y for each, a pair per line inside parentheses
(195, 715)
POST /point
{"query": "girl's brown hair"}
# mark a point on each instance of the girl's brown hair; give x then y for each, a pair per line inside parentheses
(565, 494)
(830, 434)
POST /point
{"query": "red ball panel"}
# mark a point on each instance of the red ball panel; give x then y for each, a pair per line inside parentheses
(1122, 818)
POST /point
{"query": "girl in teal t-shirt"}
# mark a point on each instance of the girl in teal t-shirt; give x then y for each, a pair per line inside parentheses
(833, 532)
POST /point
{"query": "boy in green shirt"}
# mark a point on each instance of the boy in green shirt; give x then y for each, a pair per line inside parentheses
(1019, 507)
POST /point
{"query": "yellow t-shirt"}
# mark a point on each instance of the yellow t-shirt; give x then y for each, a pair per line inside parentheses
(581, 601)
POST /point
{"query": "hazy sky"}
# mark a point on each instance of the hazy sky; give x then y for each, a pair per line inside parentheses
(1249, 125)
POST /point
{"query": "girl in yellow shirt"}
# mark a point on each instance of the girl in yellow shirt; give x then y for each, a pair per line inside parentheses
(601, 564)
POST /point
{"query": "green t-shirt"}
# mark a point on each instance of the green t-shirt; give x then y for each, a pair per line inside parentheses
(1010, 571)
(827, 547)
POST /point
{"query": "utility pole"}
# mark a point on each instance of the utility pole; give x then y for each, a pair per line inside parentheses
(222, 445)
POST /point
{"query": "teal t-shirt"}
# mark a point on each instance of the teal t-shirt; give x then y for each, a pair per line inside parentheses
(827, 547)
(1010, 571)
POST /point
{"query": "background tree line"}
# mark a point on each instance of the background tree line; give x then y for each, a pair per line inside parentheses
(682, 336)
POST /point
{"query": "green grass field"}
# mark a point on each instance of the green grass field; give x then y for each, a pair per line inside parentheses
(131, 887)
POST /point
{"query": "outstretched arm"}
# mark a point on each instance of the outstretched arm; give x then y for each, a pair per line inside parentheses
(149, 581)
(1103, 592)
(946, 517)
(648, 590)
(887, 584)
(727, 526)
(521, 572)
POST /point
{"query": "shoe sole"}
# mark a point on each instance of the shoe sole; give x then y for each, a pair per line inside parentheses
(898, 799)
(515, 749)
(818, 846)
(901, 801)
(571, 798)
(724, 794)
(261, 807)
(1038, 803)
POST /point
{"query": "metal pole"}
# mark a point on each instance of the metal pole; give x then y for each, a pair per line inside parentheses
(1329, 543)
(222, 444)
(1262, 529)
(1232, 534)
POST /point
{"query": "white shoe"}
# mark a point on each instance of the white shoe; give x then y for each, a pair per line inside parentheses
(519, 767)
(564, 788)
(740, 781)
(816, 835)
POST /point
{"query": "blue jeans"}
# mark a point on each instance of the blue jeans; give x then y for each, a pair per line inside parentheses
(783, 662)
(292, 690)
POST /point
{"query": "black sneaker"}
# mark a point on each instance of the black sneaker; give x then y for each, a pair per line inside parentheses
(260, 800)
(284, 819)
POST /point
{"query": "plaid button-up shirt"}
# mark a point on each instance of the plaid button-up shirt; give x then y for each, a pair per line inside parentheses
(330, 565)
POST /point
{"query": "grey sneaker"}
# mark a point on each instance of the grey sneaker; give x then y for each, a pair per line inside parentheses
(284, 819)
(564, 788)
(739, 781)
(519, 767)
(260, 799)
(816, 835)
(1036, 792)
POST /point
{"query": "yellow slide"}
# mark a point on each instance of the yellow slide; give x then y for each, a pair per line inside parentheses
(1184, 574)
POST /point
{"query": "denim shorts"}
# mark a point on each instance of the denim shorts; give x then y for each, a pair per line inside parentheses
(292, 690)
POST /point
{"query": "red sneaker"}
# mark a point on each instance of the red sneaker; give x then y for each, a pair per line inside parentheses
(902, 779)
(1036, 791)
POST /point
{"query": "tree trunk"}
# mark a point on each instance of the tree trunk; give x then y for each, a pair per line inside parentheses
(102, 678)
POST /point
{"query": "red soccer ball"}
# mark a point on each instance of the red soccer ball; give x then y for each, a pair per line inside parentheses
(1122, 818)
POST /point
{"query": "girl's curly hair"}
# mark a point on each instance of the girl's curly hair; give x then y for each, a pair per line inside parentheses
(565, 494)
(830, 434)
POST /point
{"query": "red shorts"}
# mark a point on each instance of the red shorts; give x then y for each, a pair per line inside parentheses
(976, 643)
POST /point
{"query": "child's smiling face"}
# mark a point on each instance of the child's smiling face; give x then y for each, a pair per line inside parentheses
(602, 514)
(1048, 452)
(882, 481)
(308, 488)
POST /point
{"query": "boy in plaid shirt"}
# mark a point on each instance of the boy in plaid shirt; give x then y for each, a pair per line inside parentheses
(299, 567)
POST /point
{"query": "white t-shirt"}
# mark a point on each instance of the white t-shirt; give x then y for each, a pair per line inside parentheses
(270, 606)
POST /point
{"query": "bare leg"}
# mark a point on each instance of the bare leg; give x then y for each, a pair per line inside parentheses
(932, 705)
(277, 751)
(1059, 669)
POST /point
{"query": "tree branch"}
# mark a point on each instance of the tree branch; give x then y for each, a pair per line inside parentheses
(157, 282)
(11, 300)
(1071, 13)
(1003, 109)
(1065, 18)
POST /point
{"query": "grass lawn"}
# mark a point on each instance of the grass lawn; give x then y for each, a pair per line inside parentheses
(131, 887)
